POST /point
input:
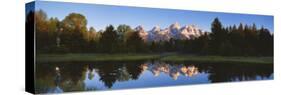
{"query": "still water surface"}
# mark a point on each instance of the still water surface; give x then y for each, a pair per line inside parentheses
(88, 76)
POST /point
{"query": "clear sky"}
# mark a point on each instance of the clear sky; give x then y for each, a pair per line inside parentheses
(99, 16)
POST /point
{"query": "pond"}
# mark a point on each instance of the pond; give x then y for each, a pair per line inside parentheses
(89, 76)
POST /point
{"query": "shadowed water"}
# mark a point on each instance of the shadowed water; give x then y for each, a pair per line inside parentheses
(86, 76)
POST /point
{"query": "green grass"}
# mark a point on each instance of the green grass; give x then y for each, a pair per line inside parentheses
(173, 57)
(93, 57)
(239, 59)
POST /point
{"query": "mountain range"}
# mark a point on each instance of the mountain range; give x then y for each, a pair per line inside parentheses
(174, 31)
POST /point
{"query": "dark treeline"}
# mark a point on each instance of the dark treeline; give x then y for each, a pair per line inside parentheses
(72, 36)
(244, 40)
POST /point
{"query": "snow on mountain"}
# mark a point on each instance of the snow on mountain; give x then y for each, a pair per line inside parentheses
(174, 31)
(156, 34)
(189, 32)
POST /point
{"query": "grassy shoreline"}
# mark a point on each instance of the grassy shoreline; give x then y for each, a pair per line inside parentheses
(94, 57)
(162, 57)
(213, 59)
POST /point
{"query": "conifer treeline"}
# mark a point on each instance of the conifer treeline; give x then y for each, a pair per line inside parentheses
(72, 36)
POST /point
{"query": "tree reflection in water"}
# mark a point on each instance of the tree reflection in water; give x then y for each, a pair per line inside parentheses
(59, 77)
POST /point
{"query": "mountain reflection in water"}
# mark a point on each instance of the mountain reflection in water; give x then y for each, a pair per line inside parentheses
(65, 77)
(174, 71)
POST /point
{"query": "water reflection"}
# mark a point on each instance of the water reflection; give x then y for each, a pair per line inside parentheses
(57, 80)
(64, 77)
(58, 76)
(174, 71)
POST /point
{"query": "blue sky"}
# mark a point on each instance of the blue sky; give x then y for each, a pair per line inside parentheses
(99, 16)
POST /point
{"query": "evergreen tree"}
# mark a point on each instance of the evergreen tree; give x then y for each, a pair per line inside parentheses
(217, 37)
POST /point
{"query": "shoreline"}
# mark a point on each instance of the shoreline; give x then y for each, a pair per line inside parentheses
(219, 59)
(172, 57)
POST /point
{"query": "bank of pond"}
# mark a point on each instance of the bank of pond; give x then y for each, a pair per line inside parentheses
(169, 57)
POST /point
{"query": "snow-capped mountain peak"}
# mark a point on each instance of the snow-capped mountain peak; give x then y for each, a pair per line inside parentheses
(175, 26)
(174, 31)
(155, 29)
(139, 28)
